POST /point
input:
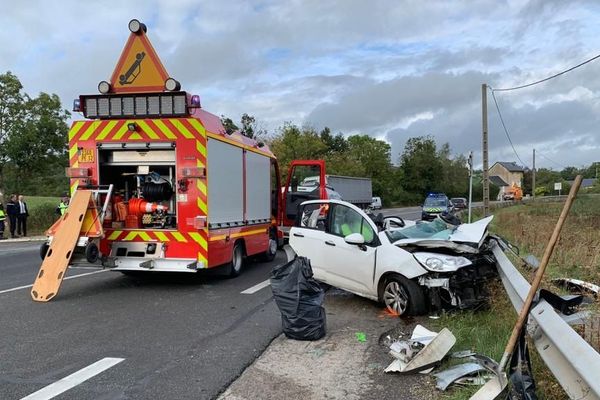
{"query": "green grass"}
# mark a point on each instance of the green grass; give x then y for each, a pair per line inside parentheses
(41, 213)
(576, 255)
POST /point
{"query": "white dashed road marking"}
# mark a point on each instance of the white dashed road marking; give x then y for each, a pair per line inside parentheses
(257, 287)
(69, 382)
(64, 279)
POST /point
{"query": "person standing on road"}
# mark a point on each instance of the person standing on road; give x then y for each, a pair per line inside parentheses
(62, 207)
(13, 211)
(2, 219)
(22, 217)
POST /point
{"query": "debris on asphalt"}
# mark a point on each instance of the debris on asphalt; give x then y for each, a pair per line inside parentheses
(435, 348)
(361, 337)
(448, 376)
(299, 298)
(577, 285)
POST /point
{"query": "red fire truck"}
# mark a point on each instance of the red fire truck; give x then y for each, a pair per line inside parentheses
(186, 195)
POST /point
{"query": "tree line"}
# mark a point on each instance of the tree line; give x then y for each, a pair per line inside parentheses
(33, 141)
(34, 153)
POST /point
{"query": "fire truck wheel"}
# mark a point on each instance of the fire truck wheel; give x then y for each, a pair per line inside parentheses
(235, 266)
(271, 252)
(91, 253)
(44, 250)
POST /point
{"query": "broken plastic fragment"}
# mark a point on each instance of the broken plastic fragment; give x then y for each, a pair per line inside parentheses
(432, 353)
(361, 337)
(447, 377)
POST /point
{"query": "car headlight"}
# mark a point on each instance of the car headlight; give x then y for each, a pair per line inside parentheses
(441, 262)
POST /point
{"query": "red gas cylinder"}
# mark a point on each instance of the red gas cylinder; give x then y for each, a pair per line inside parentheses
(139, 207)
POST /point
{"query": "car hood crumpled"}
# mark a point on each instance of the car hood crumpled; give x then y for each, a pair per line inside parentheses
(465, 238)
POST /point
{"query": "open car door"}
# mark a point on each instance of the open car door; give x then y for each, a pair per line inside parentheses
(305, 181)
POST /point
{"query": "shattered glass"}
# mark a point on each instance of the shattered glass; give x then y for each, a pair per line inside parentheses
(436, 229)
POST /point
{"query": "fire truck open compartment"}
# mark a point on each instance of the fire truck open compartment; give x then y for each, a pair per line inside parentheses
(145, 173)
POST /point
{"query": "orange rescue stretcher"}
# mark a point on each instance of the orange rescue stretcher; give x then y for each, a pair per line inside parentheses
(80, 228)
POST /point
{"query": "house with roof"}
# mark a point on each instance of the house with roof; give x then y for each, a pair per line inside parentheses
(506, 174)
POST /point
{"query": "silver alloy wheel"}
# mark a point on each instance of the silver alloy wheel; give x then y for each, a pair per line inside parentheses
(395, 297)
(236, 262)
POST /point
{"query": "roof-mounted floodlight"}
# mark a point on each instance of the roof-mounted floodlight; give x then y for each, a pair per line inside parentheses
(172, 85)
(104, 87)
(136, 26)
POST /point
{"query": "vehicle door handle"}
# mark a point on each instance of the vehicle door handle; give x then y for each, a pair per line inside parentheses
(329, 243)
(298, 235)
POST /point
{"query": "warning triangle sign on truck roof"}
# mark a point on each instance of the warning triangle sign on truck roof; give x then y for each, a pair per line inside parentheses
(139, 68)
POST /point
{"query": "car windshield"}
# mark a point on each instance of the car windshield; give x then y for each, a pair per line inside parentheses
(458, 201)
(436, 229)
(435, 202)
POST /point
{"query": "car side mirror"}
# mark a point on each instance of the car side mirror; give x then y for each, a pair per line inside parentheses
(355, 238)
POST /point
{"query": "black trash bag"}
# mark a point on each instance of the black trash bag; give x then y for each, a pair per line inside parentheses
(299, 297)
(522, 385)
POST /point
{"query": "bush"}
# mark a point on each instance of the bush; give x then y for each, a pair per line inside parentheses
(42, 214)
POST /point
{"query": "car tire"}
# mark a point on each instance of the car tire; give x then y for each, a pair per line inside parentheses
(92, 253)
(401, 296)
(271, 252)
(44, 250)
(237, 258)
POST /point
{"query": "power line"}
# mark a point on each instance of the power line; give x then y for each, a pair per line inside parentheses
(549, 159)
(506, 130)
(548, 78)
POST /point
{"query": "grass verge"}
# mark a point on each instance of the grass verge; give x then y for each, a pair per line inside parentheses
(577, 255)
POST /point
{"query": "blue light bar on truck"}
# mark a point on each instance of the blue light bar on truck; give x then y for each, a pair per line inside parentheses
(139, 105)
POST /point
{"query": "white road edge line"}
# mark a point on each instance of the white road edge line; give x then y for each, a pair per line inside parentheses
(257, 287)
(66, 278)
(69, 382)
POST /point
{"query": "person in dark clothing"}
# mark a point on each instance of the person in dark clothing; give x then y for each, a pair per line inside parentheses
(22, 216)
(12, 211)
(2, 219)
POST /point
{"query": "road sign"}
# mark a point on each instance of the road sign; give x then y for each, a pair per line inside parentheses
(558, 186)
(139, 69)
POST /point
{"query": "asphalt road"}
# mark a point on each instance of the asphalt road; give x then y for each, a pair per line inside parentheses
(179, 336)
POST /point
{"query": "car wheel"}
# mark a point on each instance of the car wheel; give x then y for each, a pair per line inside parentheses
(44, 250)
(271, 252)
(402, 296)
(91, 253)
(237, 258)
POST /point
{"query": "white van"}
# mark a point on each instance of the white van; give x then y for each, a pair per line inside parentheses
(376, 203)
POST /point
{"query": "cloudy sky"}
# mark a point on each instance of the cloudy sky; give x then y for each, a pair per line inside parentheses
(389, 69)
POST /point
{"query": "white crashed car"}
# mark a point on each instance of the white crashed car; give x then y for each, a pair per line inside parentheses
(410, 268)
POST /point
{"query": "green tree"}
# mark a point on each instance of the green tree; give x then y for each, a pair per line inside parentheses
(229, 125)
(421, 167)
(12, 110)
(248, 125)
(294, 143)
(41, 138)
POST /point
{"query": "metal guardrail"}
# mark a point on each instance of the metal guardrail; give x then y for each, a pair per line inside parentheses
(574, 363)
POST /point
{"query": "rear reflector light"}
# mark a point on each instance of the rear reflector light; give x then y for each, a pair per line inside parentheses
(77, 172)
(193, 172)
(198, 223)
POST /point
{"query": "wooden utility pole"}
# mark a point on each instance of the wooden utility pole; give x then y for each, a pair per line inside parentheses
(533, 177)
(484, 131)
